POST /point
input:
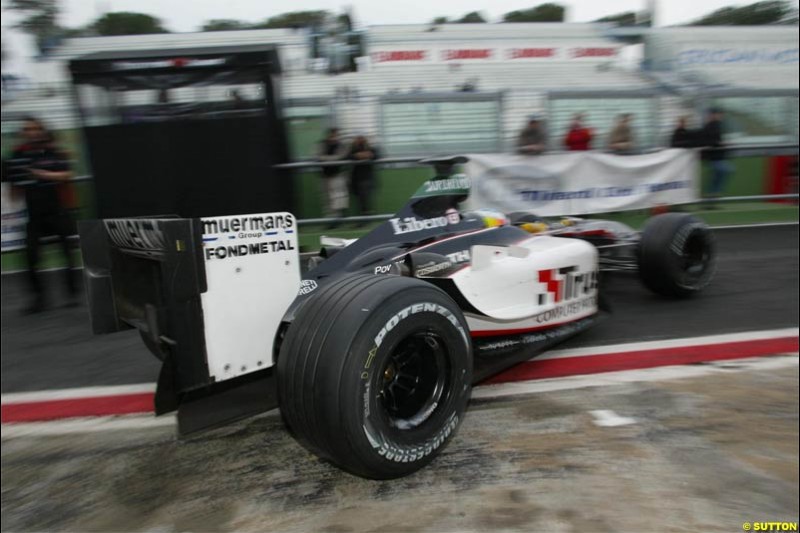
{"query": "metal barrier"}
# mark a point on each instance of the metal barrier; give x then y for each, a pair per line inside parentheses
(757, 197)
(387, 216)
(734, 151)
(302, 165)
(339, 220)
(743, 150)
(371, 218)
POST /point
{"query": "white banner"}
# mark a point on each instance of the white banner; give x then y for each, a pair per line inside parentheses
(575, 183)
(15, 217)
(738, 55)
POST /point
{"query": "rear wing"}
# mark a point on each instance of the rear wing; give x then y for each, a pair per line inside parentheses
(208, 297)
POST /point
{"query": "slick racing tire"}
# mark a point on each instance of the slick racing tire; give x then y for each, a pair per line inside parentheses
(374, 374)
(676, 255)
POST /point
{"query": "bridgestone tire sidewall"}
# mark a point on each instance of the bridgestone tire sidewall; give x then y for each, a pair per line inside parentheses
(382, 447)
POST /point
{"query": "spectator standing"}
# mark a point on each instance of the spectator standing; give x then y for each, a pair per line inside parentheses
(532, 139)
(620, 140)
(362, 175)
(682, 136)
(579, 137)
(39, 167)
(334, 183)
(714, 151)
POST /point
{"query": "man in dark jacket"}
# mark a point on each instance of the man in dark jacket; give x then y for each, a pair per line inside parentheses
(39, 167)
(331, 148)
(714, 151)
(362, 175)
(532, 139)
(683, 137)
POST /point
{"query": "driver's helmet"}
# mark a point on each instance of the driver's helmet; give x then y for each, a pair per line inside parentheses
(535, 227)
(491, 218)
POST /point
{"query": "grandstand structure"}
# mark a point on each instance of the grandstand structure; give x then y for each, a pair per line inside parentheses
(754, 57)
(424, 89)
(751, 72)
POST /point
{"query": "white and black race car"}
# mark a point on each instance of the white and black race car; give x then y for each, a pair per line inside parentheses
(371, 353)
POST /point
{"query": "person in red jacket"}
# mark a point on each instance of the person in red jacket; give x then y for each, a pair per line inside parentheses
(579, 137)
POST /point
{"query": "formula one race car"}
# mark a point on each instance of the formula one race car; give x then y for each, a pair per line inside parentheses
(371, 355)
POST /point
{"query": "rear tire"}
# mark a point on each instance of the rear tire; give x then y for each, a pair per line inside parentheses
(676, 255)
(374, 374)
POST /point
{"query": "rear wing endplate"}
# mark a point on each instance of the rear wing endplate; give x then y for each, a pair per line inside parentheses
(207, 295)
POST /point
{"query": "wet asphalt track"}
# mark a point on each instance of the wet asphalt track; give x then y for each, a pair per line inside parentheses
(702, 454)
(756, 288)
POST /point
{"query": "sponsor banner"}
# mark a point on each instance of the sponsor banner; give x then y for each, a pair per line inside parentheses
(577, 183)
(243, 235)
(490, 344)
(307, 286)
(413, 224)
(456, 184)
(253, 273)
(15, 217)
(136, 234)
(471, 53)
(738, 55)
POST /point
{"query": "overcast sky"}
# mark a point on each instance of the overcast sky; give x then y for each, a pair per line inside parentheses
(189, 15)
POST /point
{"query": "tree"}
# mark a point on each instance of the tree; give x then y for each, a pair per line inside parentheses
(127, 23)
(627, 18)
(440, 20)
(295, 19)
(84, 31)
(40, 20)
(767, 12)
(224, 25)
(471, 17)
(792, 17)
(542, 13)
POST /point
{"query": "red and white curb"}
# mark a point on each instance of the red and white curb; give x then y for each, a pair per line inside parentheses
(579, 367)
(81, 402)
(649, 354)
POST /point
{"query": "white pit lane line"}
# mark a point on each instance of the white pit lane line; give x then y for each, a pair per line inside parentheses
(686, 342)
(77, 393)
(622, 377)
(85, 425)
(610, 419)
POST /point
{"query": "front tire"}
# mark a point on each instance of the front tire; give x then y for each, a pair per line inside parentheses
(677, 255)
(374, 374)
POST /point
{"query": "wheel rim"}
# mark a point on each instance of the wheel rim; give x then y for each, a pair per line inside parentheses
(695, 255)
(414, 380)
